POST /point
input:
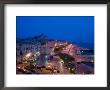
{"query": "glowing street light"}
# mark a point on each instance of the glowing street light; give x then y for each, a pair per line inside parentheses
(28, 55)
(38, 53)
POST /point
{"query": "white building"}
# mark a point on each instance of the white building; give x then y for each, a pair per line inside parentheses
(24, 48)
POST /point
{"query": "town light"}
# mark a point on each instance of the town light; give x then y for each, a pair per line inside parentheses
(28, 55)
(38, 53)
(72, 69)
(46, 56)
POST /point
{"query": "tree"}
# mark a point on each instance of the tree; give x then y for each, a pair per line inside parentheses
(66, 58)
(21, 53)
(57, 49)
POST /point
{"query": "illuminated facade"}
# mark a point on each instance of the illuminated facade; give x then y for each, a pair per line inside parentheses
(22, 48)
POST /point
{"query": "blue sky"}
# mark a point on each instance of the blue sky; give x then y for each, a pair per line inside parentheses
(72, 28)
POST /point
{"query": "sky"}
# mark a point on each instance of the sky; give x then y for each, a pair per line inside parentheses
(71, 28)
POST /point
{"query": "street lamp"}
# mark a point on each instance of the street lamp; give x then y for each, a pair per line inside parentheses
(28, 55)
(38, 53)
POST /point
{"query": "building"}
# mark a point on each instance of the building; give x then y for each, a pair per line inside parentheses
(24, 48)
